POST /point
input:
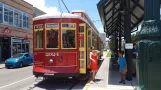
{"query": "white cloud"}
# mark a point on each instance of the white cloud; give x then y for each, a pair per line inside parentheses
(107, 39)
(40, 4)
(101, 30)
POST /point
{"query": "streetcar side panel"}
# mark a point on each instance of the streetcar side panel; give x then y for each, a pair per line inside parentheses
(59, 60)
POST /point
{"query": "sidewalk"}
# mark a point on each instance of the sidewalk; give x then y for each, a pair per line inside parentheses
(2, 65)
(108, 79)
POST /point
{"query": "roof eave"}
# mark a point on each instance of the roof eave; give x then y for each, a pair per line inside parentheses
(100, 6)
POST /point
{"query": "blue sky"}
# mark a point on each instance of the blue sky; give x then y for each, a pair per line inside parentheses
(90, 6)
(53, 6)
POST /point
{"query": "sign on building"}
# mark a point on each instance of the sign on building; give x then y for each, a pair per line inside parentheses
(128, 45)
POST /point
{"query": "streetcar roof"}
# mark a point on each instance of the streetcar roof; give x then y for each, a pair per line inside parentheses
(58, 15)
(62, 15)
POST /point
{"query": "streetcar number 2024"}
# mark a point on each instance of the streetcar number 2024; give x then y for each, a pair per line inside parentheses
(52, 54)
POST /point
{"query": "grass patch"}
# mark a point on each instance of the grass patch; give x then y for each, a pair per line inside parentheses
(108, 54)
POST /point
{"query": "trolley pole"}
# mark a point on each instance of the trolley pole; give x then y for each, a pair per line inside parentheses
(65, 6)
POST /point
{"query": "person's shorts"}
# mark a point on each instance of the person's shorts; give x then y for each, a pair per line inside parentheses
(122, 70)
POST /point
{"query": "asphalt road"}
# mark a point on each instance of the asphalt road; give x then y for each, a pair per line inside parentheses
(15, 79)
(22, 78)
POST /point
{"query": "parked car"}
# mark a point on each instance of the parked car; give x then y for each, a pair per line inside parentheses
(19, 60)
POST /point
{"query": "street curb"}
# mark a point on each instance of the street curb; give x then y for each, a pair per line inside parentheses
(2, 66)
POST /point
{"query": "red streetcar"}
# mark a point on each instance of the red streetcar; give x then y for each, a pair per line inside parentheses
(62, 44)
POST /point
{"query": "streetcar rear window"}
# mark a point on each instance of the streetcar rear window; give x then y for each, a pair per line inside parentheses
(38, 36)
(51, 38)
(68, 37)
(52, 35)
(39, 39)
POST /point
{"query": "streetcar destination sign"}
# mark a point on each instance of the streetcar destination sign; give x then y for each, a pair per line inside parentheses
(38, 26)
(51, 25)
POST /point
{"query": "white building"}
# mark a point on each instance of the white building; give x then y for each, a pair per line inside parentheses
(103, 37)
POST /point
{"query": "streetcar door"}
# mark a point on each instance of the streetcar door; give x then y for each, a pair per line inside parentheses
(82, 48)
(89, 45)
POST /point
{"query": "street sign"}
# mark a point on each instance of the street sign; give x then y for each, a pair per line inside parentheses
(6, 31)
(128, 46)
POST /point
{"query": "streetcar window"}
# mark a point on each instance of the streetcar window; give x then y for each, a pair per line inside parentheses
(38, 36)
(89, 32)
(39, 39)
(52, 38)
(89, 39)
(81, 54)
(89, 42)
(94, 40)
(81, 29)
(82, 44)
(68, 25)
(68, 37)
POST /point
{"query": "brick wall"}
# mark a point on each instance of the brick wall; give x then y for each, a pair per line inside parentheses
(19, 32)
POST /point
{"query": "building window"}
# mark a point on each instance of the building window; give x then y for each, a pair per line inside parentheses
(19, 45)
(1, 13)
(26, 21)
(17, 18)
(8, 15)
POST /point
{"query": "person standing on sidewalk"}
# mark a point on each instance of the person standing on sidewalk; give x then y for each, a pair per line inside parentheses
(123, 66)
(134, 58)
(94, 62)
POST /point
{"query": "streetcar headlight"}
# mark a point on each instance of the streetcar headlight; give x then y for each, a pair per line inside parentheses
(51, 61)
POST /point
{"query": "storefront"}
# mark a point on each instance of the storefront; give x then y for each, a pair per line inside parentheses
(11, 45)
(19, 45)
(15, 26)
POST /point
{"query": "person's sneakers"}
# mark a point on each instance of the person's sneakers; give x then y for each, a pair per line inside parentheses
(123, 81)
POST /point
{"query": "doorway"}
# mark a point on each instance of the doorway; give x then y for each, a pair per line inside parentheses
(5, 51)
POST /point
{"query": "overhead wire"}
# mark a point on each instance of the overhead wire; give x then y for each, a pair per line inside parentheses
(59, 6)
(94, 21)
(60, 9)
(65, 6)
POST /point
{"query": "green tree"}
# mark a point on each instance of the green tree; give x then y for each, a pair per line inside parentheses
(135, 37)
(112, 45)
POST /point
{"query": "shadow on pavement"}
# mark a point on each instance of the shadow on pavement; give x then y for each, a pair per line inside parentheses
(60, 84)
(114, 78)
(97, 80)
